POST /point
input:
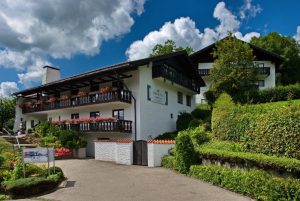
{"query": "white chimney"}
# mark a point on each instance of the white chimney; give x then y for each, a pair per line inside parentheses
(50, 74)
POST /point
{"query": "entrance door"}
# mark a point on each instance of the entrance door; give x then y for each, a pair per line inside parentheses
(140, 153)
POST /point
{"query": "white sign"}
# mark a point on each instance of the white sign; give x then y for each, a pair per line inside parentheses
(38, 155)
(159, 97)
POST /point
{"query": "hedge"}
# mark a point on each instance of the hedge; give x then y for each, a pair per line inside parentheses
(30, 186)
(280, 93)
(169, 162)
(254, 183)
(253, 159)
(272, 128)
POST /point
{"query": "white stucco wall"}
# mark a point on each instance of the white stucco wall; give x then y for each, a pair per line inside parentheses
(156, 118)
(119, 152)
(50, 75)
(270, 81)
(124, 153)
(156, 152)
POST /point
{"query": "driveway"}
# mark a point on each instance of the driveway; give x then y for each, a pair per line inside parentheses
(90, 180)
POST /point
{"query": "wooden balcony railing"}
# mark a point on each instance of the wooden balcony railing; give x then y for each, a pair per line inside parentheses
(122, 126)
(261, 71)
(74, 101)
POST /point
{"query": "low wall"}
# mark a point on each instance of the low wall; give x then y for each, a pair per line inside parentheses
(157, 149)
(119, 151)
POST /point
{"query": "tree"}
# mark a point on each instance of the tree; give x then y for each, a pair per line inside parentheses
(168, 47)
(7, 113)
(289, 49)
(234, 71)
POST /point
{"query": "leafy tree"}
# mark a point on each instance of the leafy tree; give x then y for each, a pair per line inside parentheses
(7, 112)
(168, 47)
(289, 49)
(234, 71)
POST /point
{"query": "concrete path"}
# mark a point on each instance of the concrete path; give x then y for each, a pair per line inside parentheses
(90, 180)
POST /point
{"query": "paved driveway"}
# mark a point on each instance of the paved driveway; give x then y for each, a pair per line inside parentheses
(90, 180)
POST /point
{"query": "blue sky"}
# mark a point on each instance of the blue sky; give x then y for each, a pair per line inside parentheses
(90, 34)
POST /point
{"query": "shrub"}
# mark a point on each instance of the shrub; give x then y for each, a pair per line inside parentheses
(254, 183)
(167, 136)
(5, 146)
(202, 111)
(29, 186)
(183, 121)
(272, 128)
(185, 154)
(42, 128)
(168, 162)
(198, 135)
(194, 123)
(280, 93)
(263, 161)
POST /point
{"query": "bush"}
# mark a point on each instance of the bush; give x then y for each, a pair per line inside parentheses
(198, 135)
(254, 183)
(30, 186)
(194, 123)
(168, 162)
(183, 121)
(42, 128)
(5, 146)
(280, 164)
(167, 136)
(272, 128)
(185, 154)
(202, 111)
(280, 93)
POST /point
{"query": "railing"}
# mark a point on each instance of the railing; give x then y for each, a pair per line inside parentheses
(173, 75)
(203, 72)
(74, 101)
(261, 71)
(123, 126)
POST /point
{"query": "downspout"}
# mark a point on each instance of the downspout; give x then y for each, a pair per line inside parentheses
(134, 105)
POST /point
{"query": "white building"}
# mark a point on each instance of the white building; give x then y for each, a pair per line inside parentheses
(267, 62)
(132, 100)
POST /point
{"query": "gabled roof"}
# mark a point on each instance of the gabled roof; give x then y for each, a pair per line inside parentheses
(205, 55)
(118, 68)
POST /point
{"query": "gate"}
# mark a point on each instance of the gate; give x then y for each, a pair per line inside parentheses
(140, 153)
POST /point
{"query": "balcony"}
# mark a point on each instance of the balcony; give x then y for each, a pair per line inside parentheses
(171, 74)
(264, 71)
(78, 100)
(120, 126)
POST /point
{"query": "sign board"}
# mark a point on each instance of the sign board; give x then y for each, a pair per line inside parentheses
(38, 155)
(159, 97)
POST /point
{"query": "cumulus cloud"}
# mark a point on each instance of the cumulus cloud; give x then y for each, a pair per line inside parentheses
(249, 10)
(297, 36)
(59, 29)
(185, 33)
(7, 88)
(247, 37)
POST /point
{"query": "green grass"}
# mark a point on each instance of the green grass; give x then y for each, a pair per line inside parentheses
(5, 146)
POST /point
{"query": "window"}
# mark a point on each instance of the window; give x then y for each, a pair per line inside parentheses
(260, 83)
(117, 84)
(188, 100)
(149, 92)
(32, 123)
(119, 114)
(75, 116)
(167, 99)
(261, 65)
(95, 87)
(50, 119)
(94, 114)
(74, 91)
(179, 97)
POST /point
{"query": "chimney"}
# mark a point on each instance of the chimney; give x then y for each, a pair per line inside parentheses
(50, 74)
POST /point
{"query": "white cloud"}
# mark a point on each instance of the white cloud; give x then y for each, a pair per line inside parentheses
(185, 33)
(297, 36)
(249, 10)
(7, 88)
(247, 37)
(59, 29)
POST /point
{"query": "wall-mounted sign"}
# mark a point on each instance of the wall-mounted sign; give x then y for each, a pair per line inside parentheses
(157, 96)
(38, 155)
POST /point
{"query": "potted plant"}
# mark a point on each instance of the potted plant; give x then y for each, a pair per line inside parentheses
(82, 93)
(51, 100)
(105, 89)
(64, 97)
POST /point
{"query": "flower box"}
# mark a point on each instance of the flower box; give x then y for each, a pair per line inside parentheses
(105, 89)
(82, 93)
(64, 97)
(51, 100)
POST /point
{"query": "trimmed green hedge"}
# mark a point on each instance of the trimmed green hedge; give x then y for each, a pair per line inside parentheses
(31, 186)
(252, 159)
(280, 93)
(254, 183)
(169, 162)
(272, 128)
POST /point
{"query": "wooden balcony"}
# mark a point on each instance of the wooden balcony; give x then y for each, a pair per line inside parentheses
(75, 101)
(120, 126)
(265, 71)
